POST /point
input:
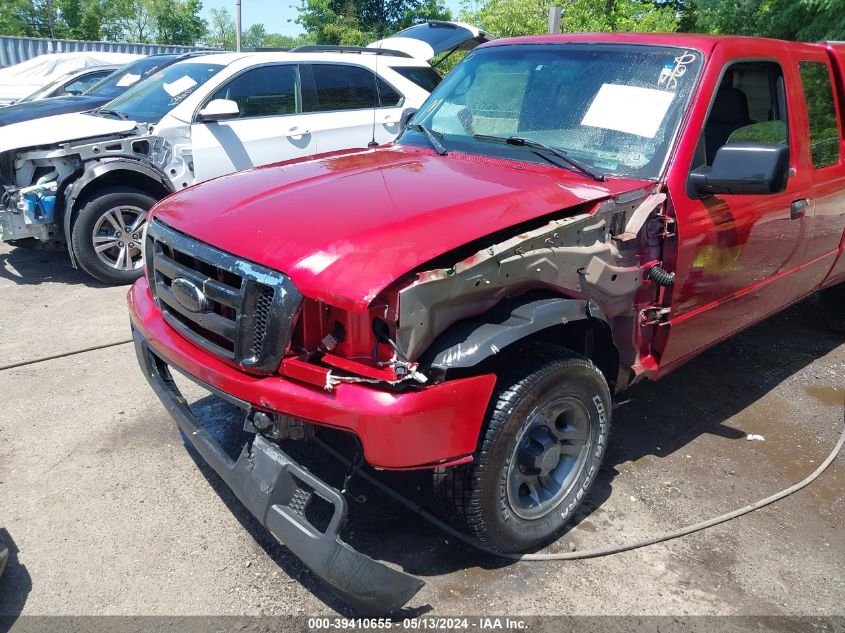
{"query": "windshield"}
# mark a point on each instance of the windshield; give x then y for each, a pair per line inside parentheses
(43, 91)
(148, 101)
(613, 107)
(119, 81)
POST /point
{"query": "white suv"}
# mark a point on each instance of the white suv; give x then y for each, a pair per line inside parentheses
(88, 179)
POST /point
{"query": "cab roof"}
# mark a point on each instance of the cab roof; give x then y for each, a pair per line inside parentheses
(704, 43)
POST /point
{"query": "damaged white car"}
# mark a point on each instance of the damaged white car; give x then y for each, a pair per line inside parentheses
(86, 181)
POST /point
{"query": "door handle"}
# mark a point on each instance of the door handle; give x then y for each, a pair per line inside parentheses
(295, 131)
(798, 208)
(389, 118)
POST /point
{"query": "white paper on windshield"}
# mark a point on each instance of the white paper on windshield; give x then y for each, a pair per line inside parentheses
(629, 109)
(127, 80)
(179, 86)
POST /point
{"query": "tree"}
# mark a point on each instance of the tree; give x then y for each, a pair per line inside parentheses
(807, 20)
(221, 30)
(179, 22)
(221, 33)
(506, 18)
(130, 21)
(28, 18)
(358, 22)
(79, 19)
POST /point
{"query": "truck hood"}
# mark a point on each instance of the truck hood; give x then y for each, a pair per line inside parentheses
(60, 129)
(345, 226)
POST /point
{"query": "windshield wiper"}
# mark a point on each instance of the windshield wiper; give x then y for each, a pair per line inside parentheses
(119, 115)
(437, 145)
(527, 142)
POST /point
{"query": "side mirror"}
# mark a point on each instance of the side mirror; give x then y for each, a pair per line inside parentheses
(219, 110)
(744, 169)
(406, 117)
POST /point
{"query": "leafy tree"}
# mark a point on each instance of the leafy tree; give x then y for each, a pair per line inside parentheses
(28, 18)
(277, 40)
(358, 22)
(426, 10)
(506, 18)
(221, 33)
(130, 21)
(221, 30)
(179, 22)
(807, 20)
(79, 19)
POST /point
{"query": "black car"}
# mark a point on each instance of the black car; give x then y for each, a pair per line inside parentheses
(98, 95)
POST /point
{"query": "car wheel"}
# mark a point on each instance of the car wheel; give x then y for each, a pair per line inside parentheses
(107, 234)
(541, 447)
(833, 304)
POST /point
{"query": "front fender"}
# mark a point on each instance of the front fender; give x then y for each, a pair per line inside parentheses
(96, 170)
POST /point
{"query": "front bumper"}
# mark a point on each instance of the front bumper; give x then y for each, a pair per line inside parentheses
(277, 491)
(435, 425)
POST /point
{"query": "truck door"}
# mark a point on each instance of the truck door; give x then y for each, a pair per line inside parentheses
(737, 253)
(271, 126)
(823, 156)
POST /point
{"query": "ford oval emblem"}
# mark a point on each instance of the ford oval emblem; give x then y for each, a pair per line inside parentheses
(189, 295)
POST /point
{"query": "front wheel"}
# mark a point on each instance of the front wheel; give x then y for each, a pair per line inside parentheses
(108, 234)
(541, 449)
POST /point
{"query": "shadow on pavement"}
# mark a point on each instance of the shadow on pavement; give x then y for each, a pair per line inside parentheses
(15, 584)
(30, 267)
(658, 419)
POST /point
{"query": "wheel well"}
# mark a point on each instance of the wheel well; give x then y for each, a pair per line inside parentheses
(124, 178)
(590, 338)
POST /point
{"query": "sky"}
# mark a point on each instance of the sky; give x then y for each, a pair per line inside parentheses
(278, 16)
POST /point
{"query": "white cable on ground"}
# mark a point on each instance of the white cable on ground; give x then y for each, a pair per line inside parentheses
(601, 551)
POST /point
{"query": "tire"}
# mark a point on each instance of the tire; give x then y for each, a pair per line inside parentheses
(833, 305)
(487, 498)
(100, 214)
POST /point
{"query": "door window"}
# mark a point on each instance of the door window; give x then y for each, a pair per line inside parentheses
(821, 111)
(341, 87)
(84, 83)
(750, 106)
(265, 91)
(389, 96)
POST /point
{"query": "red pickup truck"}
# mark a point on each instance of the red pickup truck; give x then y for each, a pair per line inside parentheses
(565, 216)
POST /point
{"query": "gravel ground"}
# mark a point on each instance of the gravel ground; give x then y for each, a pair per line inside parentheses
(107, 512)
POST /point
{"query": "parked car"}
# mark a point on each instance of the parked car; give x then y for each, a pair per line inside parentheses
(89, 179)
(73, 83)
(108, 88)
(23, 79)
(565, 216)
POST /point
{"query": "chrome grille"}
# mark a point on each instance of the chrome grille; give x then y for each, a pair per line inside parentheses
(246, 310)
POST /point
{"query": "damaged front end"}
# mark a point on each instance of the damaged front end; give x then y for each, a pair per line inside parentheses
(40, 186)
(279, 492)
(589, 263)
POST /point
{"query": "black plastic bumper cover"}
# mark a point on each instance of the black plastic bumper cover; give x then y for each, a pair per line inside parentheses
(277, 491)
